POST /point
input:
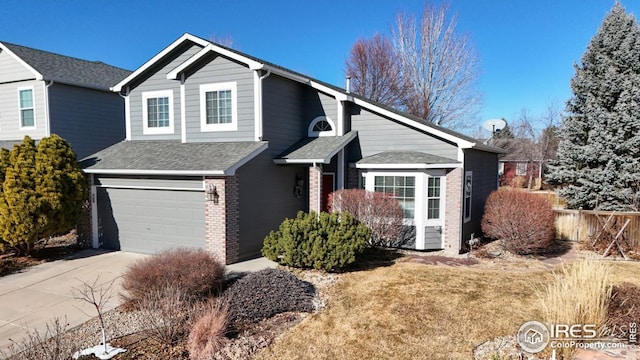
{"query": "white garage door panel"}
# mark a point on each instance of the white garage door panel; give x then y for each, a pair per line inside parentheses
(149, 221)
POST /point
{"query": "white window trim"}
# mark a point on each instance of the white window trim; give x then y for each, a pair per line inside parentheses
(233, 126)
(312, 133)
(522, 168)
(441, 197)
(467, 217)
(33, 97)
(145, 120)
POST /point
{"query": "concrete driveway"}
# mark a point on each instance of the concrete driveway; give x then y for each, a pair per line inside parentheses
(30, 299)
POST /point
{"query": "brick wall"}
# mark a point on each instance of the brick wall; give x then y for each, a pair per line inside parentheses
(315, 187)
(453, 211)
(221, 220)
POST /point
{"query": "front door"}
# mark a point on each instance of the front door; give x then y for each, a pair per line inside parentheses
(328, 186)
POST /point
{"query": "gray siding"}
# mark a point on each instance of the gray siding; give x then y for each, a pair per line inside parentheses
(149, 221)
(377, 134)
(266, 199)
(10, 111)
(90, 120)
(12, 70)
(484, 166)
(432, 238)
(221, 70)
(318, 104)
(282, 113)
(158, 81)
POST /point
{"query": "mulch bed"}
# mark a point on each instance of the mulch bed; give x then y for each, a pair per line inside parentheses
(47, 250)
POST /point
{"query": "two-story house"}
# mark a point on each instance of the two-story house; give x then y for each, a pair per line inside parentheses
(221, 147)
(43, 93)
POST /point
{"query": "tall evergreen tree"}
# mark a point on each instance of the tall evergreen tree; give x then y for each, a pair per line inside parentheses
(19, 203)
(599, 153)
(61, 185)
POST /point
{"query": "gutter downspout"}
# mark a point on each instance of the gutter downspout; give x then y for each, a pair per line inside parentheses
(127, 119)
(47, 130)
(259, 110)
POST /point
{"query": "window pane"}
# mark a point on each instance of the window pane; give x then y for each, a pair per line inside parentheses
(401, 188)
(26, 98)
(433, 209)
(158, 112)
(27, 117)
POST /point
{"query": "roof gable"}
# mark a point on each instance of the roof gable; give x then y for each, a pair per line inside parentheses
(65, 69)
(462, 141)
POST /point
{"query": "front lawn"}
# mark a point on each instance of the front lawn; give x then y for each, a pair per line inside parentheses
(415, 311)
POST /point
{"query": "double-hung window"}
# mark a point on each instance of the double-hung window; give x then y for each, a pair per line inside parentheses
(433, 198)
(218, 107)
(26, 107)
(402, 188)
(157, 111)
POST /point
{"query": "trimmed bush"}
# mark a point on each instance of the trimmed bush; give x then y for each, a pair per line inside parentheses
(325, 242)
(379, 212)
(524, 221)
(207, 336)
(192, 272)
(165, 314)
(263, 294)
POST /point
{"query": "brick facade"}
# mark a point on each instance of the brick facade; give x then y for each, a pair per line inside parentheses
(453, 211)
(315, 187)
(221, 220)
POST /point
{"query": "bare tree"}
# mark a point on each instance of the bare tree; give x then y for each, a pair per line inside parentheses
(373, 70)
(438, 65)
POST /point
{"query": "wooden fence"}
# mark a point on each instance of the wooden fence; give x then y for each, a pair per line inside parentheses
(582, 225)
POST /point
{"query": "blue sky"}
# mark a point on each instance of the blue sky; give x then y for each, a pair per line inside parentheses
(527, 48)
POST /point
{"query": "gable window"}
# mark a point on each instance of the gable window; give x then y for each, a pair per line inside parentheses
(402, 188)
(321, 126)
(468, 181)
(157, 112)
(27, 109)
(433, 198)
(218, 107)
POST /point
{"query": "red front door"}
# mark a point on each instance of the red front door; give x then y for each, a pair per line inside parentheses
(328, 186)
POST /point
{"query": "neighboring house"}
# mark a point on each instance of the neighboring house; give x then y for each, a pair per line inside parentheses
(221, 147)
(42, 93)
(520, 161)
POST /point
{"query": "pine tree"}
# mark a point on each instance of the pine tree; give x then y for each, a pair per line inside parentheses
(19, 200)
(60, 184)
(598, 161)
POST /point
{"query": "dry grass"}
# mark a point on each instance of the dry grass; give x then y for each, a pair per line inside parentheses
(412, 311)
(579, 293)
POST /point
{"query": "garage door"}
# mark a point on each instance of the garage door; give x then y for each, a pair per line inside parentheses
(149, 221)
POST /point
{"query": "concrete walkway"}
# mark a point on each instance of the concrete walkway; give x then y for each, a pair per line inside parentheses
(28, 300)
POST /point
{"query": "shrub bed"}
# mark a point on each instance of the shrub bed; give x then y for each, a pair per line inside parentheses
(326, 242)
(524, 221)
(263, 294)
(192, 272)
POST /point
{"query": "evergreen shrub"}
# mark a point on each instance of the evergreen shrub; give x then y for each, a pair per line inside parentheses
(324, 242)
(524, 221)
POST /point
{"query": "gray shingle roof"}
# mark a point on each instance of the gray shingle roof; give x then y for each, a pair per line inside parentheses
(320, 149)
(405, 157)
(172, 157)
(69, 70)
